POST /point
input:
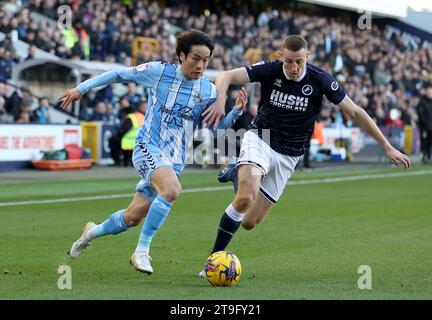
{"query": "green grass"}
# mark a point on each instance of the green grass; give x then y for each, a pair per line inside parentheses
(309, 247)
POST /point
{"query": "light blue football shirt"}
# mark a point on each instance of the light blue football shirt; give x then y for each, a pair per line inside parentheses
(174, 108)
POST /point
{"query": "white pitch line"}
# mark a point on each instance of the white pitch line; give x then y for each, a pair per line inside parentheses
(363, 177)
(290, 183)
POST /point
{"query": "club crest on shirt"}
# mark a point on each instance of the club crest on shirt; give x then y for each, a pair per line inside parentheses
(197, 97)
(278, 82)
(307, 90)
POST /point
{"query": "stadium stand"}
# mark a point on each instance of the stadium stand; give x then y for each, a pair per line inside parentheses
(380, 72)
(382, 75)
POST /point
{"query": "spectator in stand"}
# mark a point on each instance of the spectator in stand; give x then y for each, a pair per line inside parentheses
(424, 110)
(123, 104)
(4, 116)
(82, 41)
(15, 100)
(242, 37)
(132, 96)
(104, 95)
(122, 143)
(31, 52)
(6, 63)
(23, 117)
(111, 115)
(4, 90)
(42, 113)
(85, 107)
(24, 107)
(100, 113)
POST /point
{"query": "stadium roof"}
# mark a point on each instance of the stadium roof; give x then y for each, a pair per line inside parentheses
(387, 8)
(83, 67)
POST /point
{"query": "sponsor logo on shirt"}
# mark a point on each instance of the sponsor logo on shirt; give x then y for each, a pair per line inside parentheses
(278, 82)
(289, 101)
(141, 67)
(174, 116)
(334, 85)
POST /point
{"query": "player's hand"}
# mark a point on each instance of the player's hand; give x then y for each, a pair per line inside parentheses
(68, 97)
(214, 113)
(241, 100)
(397, 157)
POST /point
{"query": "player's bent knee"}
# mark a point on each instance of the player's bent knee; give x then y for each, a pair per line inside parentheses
(244, 200)
(172, 193)
(248, 225)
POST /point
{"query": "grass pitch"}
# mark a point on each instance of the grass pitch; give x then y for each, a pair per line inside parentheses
(309, 247)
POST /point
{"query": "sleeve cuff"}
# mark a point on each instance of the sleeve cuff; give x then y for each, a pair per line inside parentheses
(81, 89)
(236, 112)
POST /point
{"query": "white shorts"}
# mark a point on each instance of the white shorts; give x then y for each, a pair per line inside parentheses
(276, 168)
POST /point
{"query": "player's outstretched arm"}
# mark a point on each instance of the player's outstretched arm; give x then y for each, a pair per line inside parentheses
(144, 74)
(366, 123)
(214, 113)
(114, 76)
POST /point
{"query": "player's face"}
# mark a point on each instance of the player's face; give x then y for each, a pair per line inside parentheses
(194, 64)
(294, 62)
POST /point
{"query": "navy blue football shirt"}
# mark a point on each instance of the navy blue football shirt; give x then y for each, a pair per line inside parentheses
(289, 108)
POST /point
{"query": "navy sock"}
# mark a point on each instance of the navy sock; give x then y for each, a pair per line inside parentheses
(227, 229)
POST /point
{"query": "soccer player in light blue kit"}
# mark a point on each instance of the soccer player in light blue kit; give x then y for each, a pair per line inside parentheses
(180, 94)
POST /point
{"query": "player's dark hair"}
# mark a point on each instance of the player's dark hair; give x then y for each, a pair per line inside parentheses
(295, 43)
(187, 39)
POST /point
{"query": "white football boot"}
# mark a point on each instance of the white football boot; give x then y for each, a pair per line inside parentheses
(141, 262)
(82, 243)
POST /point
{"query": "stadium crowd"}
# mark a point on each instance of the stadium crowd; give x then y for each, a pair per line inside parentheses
(381, 74)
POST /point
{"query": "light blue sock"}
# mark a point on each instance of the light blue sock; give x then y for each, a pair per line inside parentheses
(113, 225)
(156, 216)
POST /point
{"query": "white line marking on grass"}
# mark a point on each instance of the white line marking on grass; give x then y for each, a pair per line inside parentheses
(362, 177)
(290, 183)
(111, 196)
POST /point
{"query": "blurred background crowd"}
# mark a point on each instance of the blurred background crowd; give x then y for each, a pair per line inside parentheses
(380, 73)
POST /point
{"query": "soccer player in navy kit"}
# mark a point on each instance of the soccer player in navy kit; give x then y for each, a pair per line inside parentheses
(291, 95)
